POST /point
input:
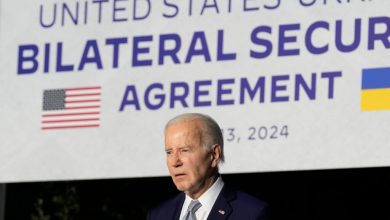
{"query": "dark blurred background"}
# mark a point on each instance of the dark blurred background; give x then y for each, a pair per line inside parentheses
(362, 193)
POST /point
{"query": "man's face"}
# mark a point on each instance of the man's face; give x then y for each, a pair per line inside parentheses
(190, 165)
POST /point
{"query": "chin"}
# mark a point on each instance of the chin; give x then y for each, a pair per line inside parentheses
(181, 187)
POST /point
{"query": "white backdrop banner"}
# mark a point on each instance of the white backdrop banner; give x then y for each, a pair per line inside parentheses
(86, 86)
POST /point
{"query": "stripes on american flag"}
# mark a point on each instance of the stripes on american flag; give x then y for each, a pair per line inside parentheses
(71, 108)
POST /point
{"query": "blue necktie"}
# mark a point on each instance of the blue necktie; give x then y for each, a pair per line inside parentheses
(192, 208)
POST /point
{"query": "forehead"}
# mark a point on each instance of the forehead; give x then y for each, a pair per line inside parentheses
(183, 131)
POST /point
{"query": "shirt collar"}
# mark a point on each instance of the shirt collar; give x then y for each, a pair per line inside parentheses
(208, 198)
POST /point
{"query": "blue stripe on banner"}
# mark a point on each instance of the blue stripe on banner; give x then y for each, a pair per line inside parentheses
(377, 78)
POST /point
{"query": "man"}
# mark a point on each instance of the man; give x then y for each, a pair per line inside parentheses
(194, 149)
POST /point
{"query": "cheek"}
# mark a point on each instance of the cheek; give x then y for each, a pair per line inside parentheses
(201, 167)
(170, 167)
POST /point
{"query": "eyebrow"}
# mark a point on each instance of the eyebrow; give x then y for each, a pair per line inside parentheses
(171, 148)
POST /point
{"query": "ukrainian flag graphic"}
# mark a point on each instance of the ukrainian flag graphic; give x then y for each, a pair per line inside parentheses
(375, 93)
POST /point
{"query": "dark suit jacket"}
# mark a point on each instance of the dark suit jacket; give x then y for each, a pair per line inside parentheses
(230, 205)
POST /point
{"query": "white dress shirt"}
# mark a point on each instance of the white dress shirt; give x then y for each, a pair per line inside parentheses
(207, 200)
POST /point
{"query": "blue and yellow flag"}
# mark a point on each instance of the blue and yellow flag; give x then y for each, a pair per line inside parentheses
(375, 93)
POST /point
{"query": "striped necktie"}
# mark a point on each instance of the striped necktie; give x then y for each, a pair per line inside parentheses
(192, 208)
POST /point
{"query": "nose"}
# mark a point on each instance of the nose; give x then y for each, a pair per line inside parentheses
(176, 160)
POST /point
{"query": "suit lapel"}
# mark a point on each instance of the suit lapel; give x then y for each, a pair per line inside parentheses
(178, 206)
(222, 208)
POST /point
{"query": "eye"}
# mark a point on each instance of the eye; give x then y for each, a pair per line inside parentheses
(185, 150)
(168, 152)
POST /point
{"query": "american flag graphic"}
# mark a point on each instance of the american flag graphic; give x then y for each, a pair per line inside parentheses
(71, 108)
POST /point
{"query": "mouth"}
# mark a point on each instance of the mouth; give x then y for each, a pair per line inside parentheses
(179, 175)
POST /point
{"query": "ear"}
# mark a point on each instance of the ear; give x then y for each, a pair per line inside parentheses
(215, 155)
